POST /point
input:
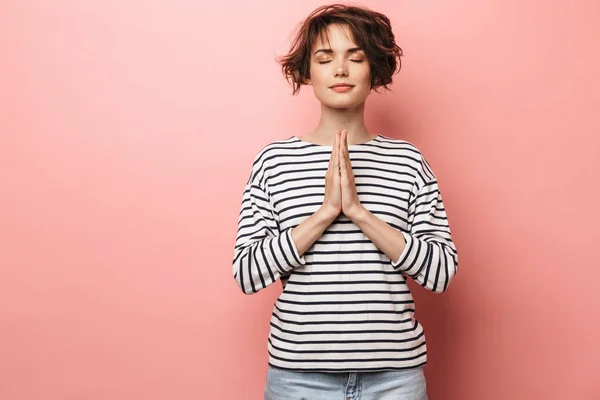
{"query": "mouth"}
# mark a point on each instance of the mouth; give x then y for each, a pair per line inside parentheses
(342, 88)
(341, 85)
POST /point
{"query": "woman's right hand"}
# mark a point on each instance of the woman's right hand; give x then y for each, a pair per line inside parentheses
(332, 203)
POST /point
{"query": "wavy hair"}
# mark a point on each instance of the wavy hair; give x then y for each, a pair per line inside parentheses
(371, 30)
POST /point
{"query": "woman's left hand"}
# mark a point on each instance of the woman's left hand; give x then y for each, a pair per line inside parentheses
(351, 205)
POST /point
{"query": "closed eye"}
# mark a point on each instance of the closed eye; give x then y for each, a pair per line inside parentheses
(356, 61)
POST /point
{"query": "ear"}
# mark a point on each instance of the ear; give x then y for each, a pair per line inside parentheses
(305, 81)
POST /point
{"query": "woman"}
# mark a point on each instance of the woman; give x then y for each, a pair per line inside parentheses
(342, 216)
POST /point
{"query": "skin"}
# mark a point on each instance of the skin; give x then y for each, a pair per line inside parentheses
(339, 110)
(336, 59)
(342, 124)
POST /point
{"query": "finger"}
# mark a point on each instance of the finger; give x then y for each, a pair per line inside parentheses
(332, 158)
(341, 157)
(346, 152)
(337, 151)
(336, 141)
(347, 166)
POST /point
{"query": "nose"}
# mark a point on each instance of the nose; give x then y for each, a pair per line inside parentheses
(341, 69)
(341, 72)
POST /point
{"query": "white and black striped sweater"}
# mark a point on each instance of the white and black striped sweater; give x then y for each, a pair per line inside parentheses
(345, 305)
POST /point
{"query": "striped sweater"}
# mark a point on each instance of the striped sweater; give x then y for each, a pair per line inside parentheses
(345, 305)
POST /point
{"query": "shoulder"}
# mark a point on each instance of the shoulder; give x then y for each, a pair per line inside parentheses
(409, 155)
(267, 155)
(401, 148)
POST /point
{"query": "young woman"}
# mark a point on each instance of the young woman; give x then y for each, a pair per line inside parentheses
(342, 217)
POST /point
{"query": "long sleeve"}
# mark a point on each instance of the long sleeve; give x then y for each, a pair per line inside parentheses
(430, 256)
(262, 253)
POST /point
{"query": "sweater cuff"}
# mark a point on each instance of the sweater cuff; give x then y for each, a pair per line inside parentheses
(408, 261)
(291, 258)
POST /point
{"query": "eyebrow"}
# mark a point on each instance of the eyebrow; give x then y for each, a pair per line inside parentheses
(329, 51)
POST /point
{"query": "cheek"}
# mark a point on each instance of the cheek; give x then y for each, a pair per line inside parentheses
(319, 77)
(366, 74)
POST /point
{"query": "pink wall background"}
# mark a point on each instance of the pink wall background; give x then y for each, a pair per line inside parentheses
(127, 131)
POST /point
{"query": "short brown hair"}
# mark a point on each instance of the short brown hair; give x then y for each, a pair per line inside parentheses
(371, 30)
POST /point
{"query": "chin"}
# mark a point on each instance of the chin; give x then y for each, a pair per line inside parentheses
(342, 103)
(336, 101)
(341, 106)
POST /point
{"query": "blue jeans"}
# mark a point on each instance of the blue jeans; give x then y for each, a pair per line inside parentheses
(283, 384)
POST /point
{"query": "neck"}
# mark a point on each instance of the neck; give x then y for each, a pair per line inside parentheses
(333, 119)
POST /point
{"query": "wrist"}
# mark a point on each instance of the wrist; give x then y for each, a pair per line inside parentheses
(327, 215)
(358, 215)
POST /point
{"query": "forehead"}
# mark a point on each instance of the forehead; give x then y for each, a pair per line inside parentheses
(335, 36)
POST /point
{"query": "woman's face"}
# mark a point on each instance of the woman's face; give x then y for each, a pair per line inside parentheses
(343, 62)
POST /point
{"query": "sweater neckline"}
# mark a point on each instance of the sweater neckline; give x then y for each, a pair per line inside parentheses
(350, 146)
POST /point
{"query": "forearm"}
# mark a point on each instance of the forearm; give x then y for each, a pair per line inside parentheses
(431, 263)
(309, 230)
(385, 237)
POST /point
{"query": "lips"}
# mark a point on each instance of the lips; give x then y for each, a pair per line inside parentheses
(341, 85)
(342, 88)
